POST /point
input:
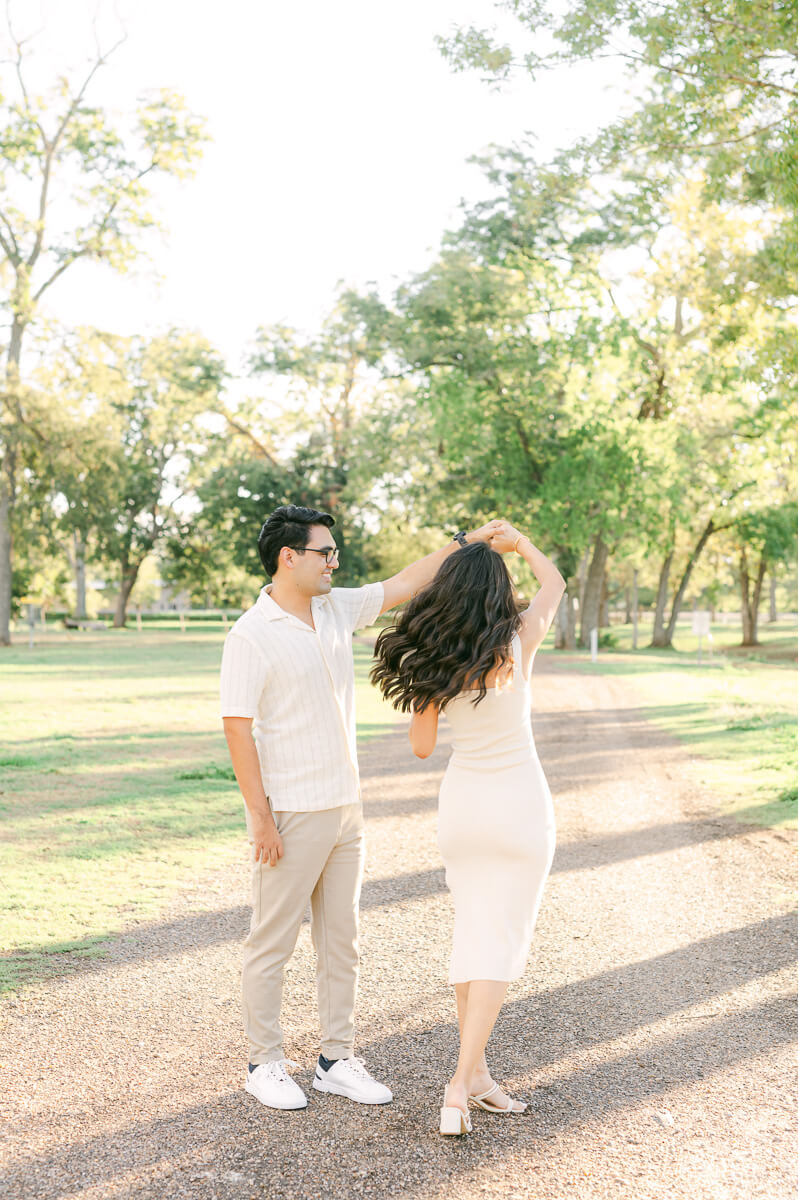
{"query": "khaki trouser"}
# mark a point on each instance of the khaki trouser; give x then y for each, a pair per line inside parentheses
(322, 863)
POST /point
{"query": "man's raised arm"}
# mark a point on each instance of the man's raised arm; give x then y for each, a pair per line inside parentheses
(415, 576)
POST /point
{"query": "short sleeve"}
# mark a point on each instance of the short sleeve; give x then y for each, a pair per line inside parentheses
(359, 606)
(243, 677)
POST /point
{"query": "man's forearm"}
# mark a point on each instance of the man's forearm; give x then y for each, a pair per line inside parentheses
(246, 764)
(418, 574)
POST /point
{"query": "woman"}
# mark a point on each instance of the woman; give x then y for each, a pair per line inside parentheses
(462, 647)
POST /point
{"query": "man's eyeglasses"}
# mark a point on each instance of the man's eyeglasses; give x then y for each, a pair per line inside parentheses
(330, 556)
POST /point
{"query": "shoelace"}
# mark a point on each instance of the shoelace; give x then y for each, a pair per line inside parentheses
(357, 1067)
(277, 1069)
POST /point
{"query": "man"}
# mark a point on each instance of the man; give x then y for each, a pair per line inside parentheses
(288, 682)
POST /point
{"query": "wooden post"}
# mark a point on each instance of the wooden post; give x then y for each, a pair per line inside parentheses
(634, 610)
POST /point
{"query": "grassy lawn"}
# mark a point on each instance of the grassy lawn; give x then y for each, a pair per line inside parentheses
(115, 784)
(737, 711)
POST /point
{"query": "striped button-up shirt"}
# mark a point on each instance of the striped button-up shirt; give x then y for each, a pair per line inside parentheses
(298, 685)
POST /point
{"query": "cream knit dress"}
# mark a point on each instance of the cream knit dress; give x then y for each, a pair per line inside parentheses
(495, 829)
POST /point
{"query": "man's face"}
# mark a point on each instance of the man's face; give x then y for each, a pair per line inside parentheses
(312, 574)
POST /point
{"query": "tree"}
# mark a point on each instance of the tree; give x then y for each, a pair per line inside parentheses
(516, 351)
(76, 186)
(337, 415)
(133, 412)
(711, 142)
(213, 551)
(165, 386)
(770, 537)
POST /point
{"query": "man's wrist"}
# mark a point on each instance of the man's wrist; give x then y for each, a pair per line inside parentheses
(261, 811)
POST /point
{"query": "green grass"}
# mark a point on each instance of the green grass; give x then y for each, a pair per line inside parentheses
(116, 789)
(736, 711)
(115, 785)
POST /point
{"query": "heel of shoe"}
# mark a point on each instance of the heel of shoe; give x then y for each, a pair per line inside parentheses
(453, 1121)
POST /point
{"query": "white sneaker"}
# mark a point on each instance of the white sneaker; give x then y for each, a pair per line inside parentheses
(349, 1077)
(273, 1086)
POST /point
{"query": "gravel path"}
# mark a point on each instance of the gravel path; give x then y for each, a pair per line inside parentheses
(654, 1031)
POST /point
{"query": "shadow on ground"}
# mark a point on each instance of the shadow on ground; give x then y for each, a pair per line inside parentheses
(314, 1150)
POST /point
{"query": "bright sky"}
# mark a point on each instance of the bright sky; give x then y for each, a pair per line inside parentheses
(340, 140)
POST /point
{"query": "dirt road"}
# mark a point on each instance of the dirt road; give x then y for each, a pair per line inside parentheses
(654, 1032)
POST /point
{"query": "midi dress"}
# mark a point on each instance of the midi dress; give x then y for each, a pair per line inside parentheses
(496, 829)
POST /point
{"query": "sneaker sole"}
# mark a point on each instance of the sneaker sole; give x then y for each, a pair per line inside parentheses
(335, 1089)
(281, 1107)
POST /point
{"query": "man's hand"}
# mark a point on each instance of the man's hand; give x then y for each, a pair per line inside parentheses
(268, 843)
(485, 532)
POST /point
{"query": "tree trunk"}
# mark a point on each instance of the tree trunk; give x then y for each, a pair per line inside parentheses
(627, 603)
(658, 635)
(565, 628)
(773, 616)
(635, 610)
(79, 567)
(604, 607)
(593, 585)
(582, 577)
(5, 552)
(750, 599)
(8, 465)
(682, 588)
(129, 575)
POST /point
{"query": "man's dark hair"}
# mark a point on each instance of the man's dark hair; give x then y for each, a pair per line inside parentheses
(289, 526)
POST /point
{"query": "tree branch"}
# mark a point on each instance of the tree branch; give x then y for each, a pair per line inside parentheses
(68, 261)
(695, 77)
(86, 248)
(52, 146)
(11, 250)
(18, 44)
(247, 433)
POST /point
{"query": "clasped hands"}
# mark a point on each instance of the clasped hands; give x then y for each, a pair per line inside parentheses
(499, 534)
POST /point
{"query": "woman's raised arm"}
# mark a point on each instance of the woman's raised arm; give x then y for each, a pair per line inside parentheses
(538, 617)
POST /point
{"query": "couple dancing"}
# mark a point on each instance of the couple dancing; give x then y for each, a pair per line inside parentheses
(461, 647)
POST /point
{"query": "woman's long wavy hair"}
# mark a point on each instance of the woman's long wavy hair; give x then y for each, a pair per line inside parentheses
(451, 635)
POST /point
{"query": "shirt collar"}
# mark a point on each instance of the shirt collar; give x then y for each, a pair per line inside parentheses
(271, 610)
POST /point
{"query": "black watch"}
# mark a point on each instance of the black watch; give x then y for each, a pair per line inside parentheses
(461, 537)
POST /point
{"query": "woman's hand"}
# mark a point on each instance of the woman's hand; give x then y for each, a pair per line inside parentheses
(505, 538)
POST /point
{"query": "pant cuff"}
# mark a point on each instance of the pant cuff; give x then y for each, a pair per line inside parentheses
(337, 1049)
(266, 1056)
